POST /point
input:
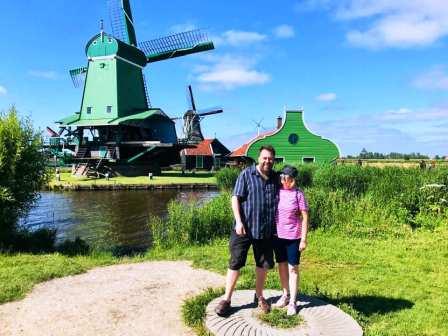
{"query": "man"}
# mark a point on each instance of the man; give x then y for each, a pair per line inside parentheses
(254, 203)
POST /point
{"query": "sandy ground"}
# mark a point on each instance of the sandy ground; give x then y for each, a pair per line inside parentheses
(132, 299)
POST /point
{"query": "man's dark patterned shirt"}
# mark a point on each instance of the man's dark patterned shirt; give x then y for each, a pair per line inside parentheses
(258, 199)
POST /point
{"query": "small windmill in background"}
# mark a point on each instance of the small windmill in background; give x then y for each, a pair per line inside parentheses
(259, 126)
(192, 120)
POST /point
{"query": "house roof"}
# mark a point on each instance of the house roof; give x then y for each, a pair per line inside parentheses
(242, 150)
(207, 147)
(203, 148)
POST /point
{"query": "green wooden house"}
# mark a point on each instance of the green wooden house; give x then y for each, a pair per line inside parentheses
(293, 143)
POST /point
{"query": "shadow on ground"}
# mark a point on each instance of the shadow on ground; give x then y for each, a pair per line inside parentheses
(371, 304)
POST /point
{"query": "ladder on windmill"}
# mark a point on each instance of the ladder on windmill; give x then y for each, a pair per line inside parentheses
(148, 101)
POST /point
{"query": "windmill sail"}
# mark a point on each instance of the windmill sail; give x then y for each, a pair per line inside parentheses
(176, 45)
(78, 76)
(121, 21)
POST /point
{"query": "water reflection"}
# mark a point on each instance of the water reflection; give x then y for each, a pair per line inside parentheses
(105, 219)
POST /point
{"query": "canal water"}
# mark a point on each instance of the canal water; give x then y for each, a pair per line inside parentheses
(106, 219)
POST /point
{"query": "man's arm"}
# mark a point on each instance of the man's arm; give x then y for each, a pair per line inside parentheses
(239, 227)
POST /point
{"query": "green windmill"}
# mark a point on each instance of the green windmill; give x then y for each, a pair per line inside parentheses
(116, 128)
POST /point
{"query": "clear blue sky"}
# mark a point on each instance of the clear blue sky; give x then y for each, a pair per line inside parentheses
(368, 73)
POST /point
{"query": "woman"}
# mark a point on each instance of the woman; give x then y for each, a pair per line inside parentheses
(292, 229)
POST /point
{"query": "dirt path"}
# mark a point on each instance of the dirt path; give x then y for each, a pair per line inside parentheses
(131, 299)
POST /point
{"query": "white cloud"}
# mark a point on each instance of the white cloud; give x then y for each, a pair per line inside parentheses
(434, 79)
(402, 130)
(284, 31)
(3, 91)
(326, 97)
(229, 72)
(45, 74)
(398, 23)
(238, 38)
(399, 114)
(182, 27)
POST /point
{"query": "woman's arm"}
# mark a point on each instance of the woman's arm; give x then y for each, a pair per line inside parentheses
(303, 241)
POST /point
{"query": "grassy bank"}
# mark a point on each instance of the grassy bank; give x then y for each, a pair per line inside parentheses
(167, 178)
(392, 286)
(378, 248)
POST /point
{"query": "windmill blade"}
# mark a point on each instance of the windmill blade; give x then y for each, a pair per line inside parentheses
(176, 45)
(52, 133)
(120, 15)
(202, 114)
(192, 104)
(78, 76)
(61, 130)
(176, 118)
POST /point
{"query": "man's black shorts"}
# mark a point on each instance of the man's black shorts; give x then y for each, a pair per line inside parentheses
(239, 246)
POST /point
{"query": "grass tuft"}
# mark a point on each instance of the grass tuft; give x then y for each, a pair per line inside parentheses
(193, 310)
(277, 318)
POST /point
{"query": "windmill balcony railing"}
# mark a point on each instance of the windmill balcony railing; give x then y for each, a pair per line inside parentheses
(103, 152)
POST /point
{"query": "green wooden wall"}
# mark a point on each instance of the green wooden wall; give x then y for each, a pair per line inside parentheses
(308, 145)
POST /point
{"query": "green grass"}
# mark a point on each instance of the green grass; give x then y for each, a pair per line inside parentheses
(20, 272)
(193, 310)
(167, 178)
(277, 318)
(391, 286)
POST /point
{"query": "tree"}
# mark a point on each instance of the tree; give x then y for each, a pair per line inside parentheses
(22, 171)
(364, 154)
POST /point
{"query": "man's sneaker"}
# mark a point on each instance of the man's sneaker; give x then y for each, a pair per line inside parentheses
(292, 309)
(263, 305)
(223, 308)
(282, 302)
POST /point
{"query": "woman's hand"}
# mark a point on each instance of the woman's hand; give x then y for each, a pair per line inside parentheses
(302, 245)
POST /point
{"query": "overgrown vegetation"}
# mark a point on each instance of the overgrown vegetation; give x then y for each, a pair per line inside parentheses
(22, 173)
(362, 201)
(188, 224)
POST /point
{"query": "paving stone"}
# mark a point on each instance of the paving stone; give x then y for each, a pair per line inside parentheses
(320, 318)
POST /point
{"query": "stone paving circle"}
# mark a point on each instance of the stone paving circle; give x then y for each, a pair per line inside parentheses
(320, 318)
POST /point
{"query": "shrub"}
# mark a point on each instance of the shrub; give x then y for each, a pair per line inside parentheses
(38, 241)
(22, 172)
(353, 180)
(328, 209)
(226, 178)
(73, 247)
(187, 224)
(305, 175)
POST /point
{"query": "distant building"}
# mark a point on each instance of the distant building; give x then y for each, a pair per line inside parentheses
(293, 143)
(208, 154)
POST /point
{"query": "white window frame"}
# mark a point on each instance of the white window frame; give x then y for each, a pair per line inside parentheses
(308, 157)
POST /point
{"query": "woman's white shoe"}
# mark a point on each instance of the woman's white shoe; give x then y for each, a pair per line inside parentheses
(292, 309)
(282, 302)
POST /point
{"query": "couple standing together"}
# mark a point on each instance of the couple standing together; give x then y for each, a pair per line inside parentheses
(271, 215)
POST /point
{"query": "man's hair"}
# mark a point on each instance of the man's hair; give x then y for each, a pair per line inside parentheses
(269, 148)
